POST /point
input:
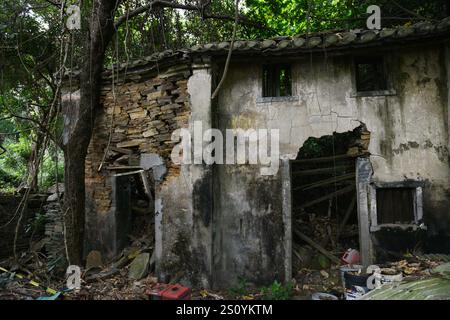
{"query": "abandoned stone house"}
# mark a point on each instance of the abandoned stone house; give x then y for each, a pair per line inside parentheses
(216, 223)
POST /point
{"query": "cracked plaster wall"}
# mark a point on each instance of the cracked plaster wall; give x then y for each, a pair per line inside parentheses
(409, 140)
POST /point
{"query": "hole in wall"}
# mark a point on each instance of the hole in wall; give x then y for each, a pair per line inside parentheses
(135, 217)
(323, 186)
(142, 208)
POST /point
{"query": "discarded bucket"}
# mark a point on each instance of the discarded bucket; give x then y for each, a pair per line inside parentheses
(349, 268)
(351, 279)
(355, 293)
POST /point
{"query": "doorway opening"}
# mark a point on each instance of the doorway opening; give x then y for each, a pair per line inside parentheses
(133, 202)
(324, 203)
(142, 224)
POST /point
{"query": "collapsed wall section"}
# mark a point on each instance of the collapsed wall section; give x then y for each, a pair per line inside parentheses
(136, 118)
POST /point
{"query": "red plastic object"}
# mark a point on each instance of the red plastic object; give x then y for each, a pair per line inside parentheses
(156, 292)
(351, 256)
(169, 292)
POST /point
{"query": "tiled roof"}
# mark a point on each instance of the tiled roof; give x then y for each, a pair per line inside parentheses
(300, 43)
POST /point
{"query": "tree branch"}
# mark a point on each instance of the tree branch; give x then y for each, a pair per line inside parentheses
(227, 63)
(54, 3)
(408, 11)
(43, 128)
(174, 5)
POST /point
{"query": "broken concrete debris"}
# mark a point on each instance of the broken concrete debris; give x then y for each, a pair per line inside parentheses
(94, 259)
(139, 266)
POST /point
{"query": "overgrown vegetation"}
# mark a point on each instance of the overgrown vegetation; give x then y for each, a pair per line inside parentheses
(13, 165)
(241, 288)
(277, 291)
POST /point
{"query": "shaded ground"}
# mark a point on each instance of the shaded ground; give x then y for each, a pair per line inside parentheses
(112, 282)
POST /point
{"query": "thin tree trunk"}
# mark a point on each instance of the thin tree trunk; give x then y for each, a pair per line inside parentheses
(33, 167)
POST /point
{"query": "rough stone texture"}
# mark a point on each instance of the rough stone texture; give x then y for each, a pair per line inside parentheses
(8, 222)
(145, 115)
(54, 234)
(94, 259)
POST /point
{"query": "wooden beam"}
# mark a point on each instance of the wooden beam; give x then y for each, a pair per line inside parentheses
(329, 196)
(347, 215)
(123, 167)
(317, 246)
(128, 173)
(325, 182)
(121, 150)
(327, 159)
(146, 184)
(310, 172)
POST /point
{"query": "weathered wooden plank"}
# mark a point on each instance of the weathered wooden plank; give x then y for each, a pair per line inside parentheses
(128, 173)
(146, 184)
(316, 246)
(347, 215)
(329, 196)
(328, 159)
(121, 150)
(310, 172)
(325, 182)
(123, 167)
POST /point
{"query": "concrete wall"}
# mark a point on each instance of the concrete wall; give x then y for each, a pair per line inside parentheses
(184, 203)
(216, 223)
(409, 140)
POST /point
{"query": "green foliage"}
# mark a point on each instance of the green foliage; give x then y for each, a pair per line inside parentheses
(241, 288)
(158, 30)
(29, 39)
(277, 291)
(290, 17)
(51, 171)
(13, 163)
(325, 146)
(36, 224)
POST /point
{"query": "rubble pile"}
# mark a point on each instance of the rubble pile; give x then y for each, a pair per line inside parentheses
(326, 233)
(9, 216)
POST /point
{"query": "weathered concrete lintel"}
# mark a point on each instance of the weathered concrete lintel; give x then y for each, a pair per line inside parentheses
(277, 99)
(412, 227)
(400, 184)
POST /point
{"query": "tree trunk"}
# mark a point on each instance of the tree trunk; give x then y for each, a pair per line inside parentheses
(78, 133)
(33, 162)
